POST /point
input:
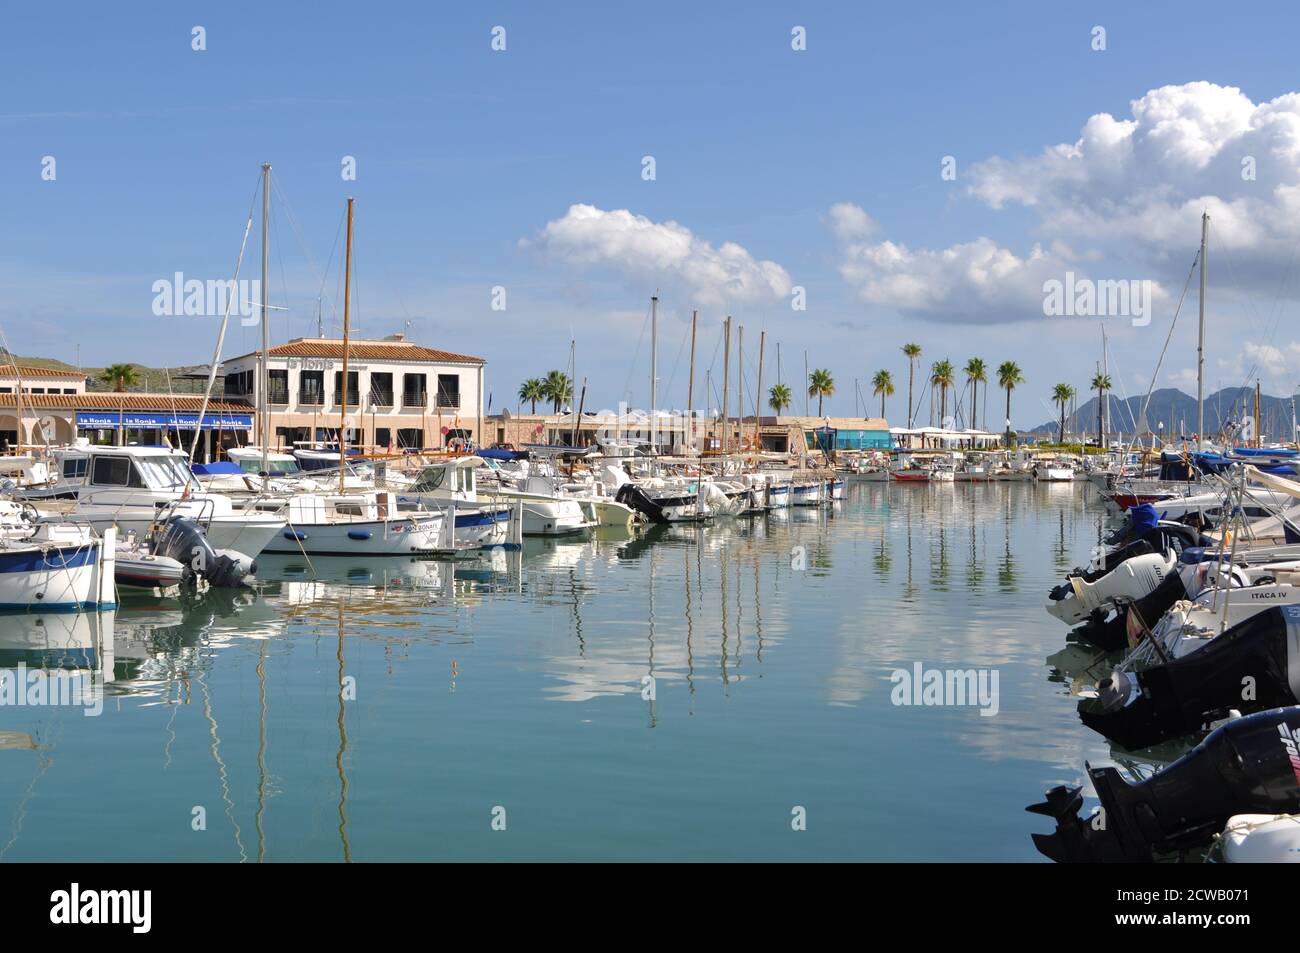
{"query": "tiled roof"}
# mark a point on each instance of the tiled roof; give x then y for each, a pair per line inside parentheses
(115, 401)
(8, 371)
(367, 351)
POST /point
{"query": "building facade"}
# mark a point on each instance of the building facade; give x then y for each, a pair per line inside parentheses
(400, 395)
(42, 407)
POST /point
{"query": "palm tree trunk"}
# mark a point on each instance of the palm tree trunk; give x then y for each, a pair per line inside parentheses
(882, 405)
(819, 405)
(1062, 437)
(911, 366)
(1008, 417)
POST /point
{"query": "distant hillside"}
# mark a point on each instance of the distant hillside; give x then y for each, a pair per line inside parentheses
(1177, 411)
(152, 380)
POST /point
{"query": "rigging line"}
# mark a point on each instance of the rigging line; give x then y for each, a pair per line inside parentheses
(302, 242)
(1146, 401)
(627, 382)
(681, 349)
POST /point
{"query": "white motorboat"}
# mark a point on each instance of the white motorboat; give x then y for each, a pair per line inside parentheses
(51, 566)
(451, 482)
(131, 487)
(354, 524)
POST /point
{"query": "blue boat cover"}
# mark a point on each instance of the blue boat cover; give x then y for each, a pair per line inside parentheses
(213, 469)
(1144, 518)
(489, 454)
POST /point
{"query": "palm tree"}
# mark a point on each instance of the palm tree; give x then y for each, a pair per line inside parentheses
(558, 388)
(122, 376)
(532, 390)
(941, 376)
(913, 351)
(779, 397)
(1008, 377)
(977, 373)
(1061, 394)
(883, 384)
(820, 384)
(1101, 384)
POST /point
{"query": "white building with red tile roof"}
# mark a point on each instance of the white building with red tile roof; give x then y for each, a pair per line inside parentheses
(399, 394)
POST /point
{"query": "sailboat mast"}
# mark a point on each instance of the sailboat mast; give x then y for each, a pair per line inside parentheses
(726, 378)
(690, 384)
(654, 371)
(740, 385)
(1200, 340)
(343, 391)
(264, 372)
(758, 394)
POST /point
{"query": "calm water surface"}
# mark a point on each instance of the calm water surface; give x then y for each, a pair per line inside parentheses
(517, 681)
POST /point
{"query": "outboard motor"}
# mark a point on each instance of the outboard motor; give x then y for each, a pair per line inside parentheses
(1079, 599)
(629, 494)
(1112, 634)
(182, 539)
(1253, 666)
(1250, 765)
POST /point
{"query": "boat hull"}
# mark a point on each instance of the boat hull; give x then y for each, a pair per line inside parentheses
(69, 578)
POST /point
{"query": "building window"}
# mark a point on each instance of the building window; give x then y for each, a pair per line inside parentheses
(311, 387)
(354, 389)
(69, 390)
(414, 393)
(383, 436)
(381, 390)
(449, 390)
(410, 437)
(277, 390)
(6, 390)
(36, 390)
(239, 384)
(501, 435)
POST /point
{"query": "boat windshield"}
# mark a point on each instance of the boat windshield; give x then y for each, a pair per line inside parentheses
(163, 473)
(273, 467)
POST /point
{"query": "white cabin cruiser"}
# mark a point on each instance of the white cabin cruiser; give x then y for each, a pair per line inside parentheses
(130, 487)
(451, 483)
(546, 512)
(353, 524)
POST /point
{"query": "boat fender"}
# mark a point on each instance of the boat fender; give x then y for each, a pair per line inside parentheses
(358, 534)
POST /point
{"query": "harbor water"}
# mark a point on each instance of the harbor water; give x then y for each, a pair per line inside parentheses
(724, 691)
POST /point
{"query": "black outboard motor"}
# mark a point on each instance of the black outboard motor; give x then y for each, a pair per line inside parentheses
(629, 494)
(1250, 765)
(182, 539)
(1253, 666)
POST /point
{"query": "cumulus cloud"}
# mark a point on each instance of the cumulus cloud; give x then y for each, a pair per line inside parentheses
(849, 221)
(1146, 178)
(977, 281)
(1129, 190)
(668, 252)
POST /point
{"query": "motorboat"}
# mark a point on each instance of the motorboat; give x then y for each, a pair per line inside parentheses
(129, 487)
(452, 483)
(352, 524)
(52, 565)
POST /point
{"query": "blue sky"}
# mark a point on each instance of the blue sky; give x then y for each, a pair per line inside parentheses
(464, 155)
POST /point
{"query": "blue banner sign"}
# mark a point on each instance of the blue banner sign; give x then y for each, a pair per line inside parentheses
(112, 419)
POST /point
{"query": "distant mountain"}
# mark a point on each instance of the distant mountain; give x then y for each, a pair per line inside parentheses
(1177, 411)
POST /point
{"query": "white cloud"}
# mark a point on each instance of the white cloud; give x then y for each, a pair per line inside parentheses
(978, 281)
(849, 221)
(587, 236)
(1146, 179)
